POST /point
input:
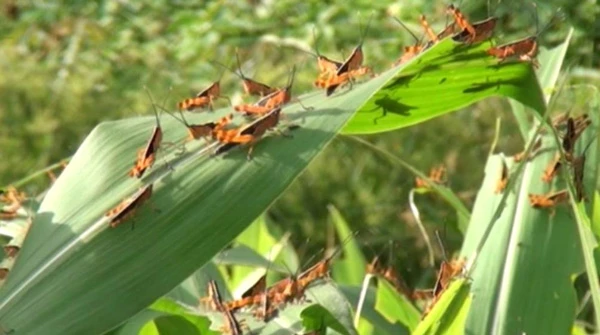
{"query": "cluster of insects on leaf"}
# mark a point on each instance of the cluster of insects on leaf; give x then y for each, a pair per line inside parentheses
(462, 30)
(264, 302)
(449, 270)
(573, 128)
(15, 206)
(569, 130)
(13, 202)
(264, 114)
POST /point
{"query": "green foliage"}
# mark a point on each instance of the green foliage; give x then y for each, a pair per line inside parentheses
(396, 307)
(106, 276)
(434, 83)
(75, 208)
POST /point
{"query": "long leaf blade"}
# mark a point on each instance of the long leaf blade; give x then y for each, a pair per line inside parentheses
(437, 83)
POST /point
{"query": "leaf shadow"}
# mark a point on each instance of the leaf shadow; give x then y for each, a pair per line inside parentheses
(386, 105)
(481, 87)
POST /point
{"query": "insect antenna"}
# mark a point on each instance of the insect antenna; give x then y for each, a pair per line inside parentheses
(539, 31)
(556, 15)
(364, 33)
(291, 79)
(441, 243)
(237, 57)
(417, 40)
(182, 119)
(316, 41)
(340, 248)
(153, 105)
(240, 75)
(222, 73)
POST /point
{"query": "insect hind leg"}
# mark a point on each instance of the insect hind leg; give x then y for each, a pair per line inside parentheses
(309, 108)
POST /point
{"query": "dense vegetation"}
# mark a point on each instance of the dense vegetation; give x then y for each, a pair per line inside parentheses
(66, 67)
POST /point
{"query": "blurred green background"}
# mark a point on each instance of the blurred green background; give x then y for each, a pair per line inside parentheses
(65, 66)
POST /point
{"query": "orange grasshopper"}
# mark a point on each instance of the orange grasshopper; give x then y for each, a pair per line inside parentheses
(501, 183)
(247, 134)
(289, 289)
(552, 169)
(524, 50)
(411, 50)
(483, 31)
(293, 287)
(433, 37)
(253, 296)
(52, 175)
(448, 271)
(213, 300)
(461, 20)
(521, 155)
(390, 275)
(260, 296)
(232, 325)
(250, 298)
(321, 269)
(276, 99)
(127, 207)
(204, 131)
(205, 98)
(472, 32)
(436, 174)
(13, 200)
(250, 86)
(350, 69)
(257, 295)
(266, 298)
(327, 66)
(575, 127)
(548, 200)
(147, 155)
(11, 250)
(578, 173)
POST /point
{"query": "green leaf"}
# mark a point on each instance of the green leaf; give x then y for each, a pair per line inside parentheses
(381, 324)
(443, 79)
(582, 211)
(134, 325)
(525, 242)
(396, 307)
(550, 63)
(170, 325)
(164, 317)
(578, 330)
(449, 312)
(596, 213)
(179, 322)
(350, 269)
(316, 317)
(256, 241)
(204, 203)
